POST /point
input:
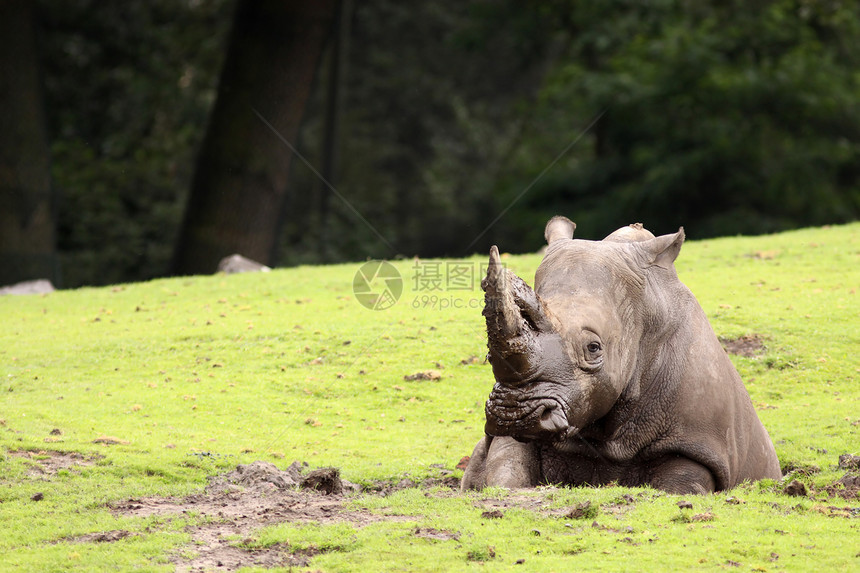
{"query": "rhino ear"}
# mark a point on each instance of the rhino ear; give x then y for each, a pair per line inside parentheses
(559, 228)
(663, 250)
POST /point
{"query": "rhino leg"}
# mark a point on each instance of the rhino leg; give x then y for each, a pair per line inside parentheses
(681, 475)
(502, 461)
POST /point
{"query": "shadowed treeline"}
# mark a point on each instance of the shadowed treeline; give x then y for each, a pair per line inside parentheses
(434, 129)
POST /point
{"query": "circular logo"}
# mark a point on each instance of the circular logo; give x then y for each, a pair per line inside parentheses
(377, 285)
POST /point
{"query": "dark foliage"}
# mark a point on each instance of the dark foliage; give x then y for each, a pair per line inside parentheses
(724, 117)
(129, 86)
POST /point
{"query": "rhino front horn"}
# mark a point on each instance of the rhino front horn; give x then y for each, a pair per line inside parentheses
(514, 318)
(499, 306)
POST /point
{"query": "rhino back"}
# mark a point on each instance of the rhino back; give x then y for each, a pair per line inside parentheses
(692, 400)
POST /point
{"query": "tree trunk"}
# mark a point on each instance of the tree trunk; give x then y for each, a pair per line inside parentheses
(334, 107)
(27, 206)
(240, 182)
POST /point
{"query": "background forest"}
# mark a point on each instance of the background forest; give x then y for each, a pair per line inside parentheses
(442, 127)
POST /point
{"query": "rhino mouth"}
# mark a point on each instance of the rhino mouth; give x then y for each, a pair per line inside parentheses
(542, 419)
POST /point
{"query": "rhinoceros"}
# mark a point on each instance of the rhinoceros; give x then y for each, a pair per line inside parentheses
(609, 372)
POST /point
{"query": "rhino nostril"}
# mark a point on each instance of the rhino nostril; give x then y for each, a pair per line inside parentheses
(552, 419)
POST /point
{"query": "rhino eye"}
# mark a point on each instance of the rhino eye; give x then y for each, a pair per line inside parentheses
(593, 347)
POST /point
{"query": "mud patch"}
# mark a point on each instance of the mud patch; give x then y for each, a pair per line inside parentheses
(526, 499)
(834, 511)
(582, 510)
(445, 480)
(437, 534)
(799, 469)
(103, 536)
(324, 480)
(849, 462)
(424, 375)
(748, 346)
(795, 488)
(237, 504)
(847, 487)
(258, 475)
(44, 463)
(492, 514)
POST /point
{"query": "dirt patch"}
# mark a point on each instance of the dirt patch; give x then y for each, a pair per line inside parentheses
(104, 536)
(492, 514)
(847, 487)
(437, 534)
(258, 475)
(324, 480)
(849, 462)
(582, 510)
(799, 469)
(424, 375)
(48, 462)
(749, 346)
(237, 504)
(111, 441)
(444, 479)
(795, 488)
(494, 508)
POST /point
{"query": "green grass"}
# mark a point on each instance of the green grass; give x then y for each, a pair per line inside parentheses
(195, 375)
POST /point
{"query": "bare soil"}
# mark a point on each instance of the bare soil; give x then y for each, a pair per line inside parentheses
(234, 513)
(255, 495)
(45, 463)
(749, 346)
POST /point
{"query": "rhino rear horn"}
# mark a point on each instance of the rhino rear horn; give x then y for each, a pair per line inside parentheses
(559, 228)
(663, 250)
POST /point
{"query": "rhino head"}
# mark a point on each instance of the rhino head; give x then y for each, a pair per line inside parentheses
(563, 353)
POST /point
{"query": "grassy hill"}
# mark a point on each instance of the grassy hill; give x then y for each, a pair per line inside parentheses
(144, 391)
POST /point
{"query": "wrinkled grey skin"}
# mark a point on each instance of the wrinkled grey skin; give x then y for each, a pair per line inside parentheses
(608, 371)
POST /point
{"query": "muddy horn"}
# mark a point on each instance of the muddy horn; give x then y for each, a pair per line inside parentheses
(514, 319)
